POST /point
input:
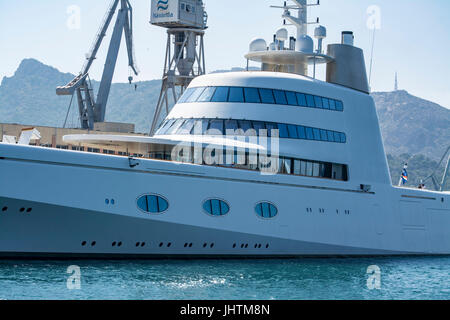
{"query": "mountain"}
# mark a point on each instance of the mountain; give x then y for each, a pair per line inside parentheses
(29, 97)
(412, 125)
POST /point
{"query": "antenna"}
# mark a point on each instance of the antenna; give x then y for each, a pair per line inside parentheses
(371, 58)
(301, 21)
(396, 82)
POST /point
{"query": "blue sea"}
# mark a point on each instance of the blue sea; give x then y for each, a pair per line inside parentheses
(346, 278)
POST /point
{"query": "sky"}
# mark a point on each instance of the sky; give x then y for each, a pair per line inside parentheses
(412, 39)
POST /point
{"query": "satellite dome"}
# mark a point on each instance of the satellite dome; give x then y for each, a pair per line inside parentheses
(320, 32)
(282, 34)
(258, 44)
(304, 44)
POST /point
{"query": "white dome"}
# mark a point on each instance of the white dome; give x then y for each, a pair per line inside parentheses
(304, 44)
(320, 32)
(258, 44)
(282, 34)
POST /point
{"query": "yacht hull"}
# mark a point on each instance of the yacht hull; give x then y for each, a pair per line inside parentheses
(53, 204)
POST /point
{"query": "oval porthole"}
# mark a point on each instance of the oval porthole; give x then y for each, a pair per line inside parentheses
(151, 203)
(266, 210)
(216, 207)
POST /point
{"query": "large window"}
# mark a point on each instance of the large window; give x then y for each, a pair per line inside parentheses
(216, 207)
(152, 203)
(247, 128)
(266, 210)
(259, 95)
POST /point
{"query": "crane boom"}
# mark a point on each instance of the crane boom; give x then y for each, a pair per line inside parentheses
(93, 110)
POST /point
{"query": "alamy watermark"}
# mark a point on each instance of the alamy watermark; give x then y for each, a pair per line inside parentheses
(73, 21)
(238, 148)
(374, 277)
(374, 17)
(74, 280)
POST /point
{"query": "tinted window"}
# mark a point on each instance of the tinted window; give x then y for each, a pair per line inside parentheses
(316, 134)
(292, 131)
(310, 101)
(220, 95)
(267, 96)
(326, 103)
(343, 138)
(270, 126)
(284, 133)
(152, 204)
(318, 101)
(266, 210)
(216, 127)
(186, 128)
(330, 136)
(174, 128)
(337, 137)
(216, 207)
(165, 127)
(252, 95)
(309, 134)
(196, 94)
(245, 125)
(231, 125)
(236, 95)
(323, 135)
(280, 97)
(301, 132)
(258, 125)
(339, 106)
(186, 95)
(332, 104)
(301, 100)
(207, 94)
(291, 98)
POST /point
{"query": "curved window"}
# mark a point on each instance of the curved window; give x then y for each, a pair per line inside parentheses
(152, 203)
(216, 207)
(259, 95)
(266, 210)
(233, 127)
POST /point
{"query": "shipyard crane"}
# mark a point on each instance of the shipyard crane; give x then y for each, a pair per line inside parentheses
(93, 110)
(440, 186)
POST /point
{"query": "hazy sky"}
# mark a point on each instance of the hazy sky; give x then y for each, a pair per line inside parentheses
(413, 39)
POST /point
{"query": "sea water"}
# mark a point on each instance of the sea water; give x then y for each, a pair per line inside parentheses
(297, 279)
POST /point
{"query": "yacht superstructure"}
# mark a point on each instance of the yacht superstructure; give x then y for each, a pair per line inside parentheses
(269, 163)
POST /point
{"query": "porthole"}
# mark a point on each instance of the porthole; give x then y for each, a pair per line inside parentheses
(152, 203)
(143, 244)
(83, 243)
(113, 244)
(266, 210)
(93, 243)
(119, 244)
(216, 207)
(4, 209)
(22, 209)
(29, 210)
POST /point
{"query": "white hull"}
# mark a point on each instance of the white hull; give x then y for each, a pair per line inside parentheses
(67, 190)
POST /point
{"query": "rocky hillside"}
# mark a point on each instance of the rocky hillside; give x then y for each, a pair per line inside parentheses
(412, 125)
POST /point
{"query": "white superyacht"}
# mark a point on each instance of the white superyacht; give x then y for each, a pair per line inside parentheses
(269, 163)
